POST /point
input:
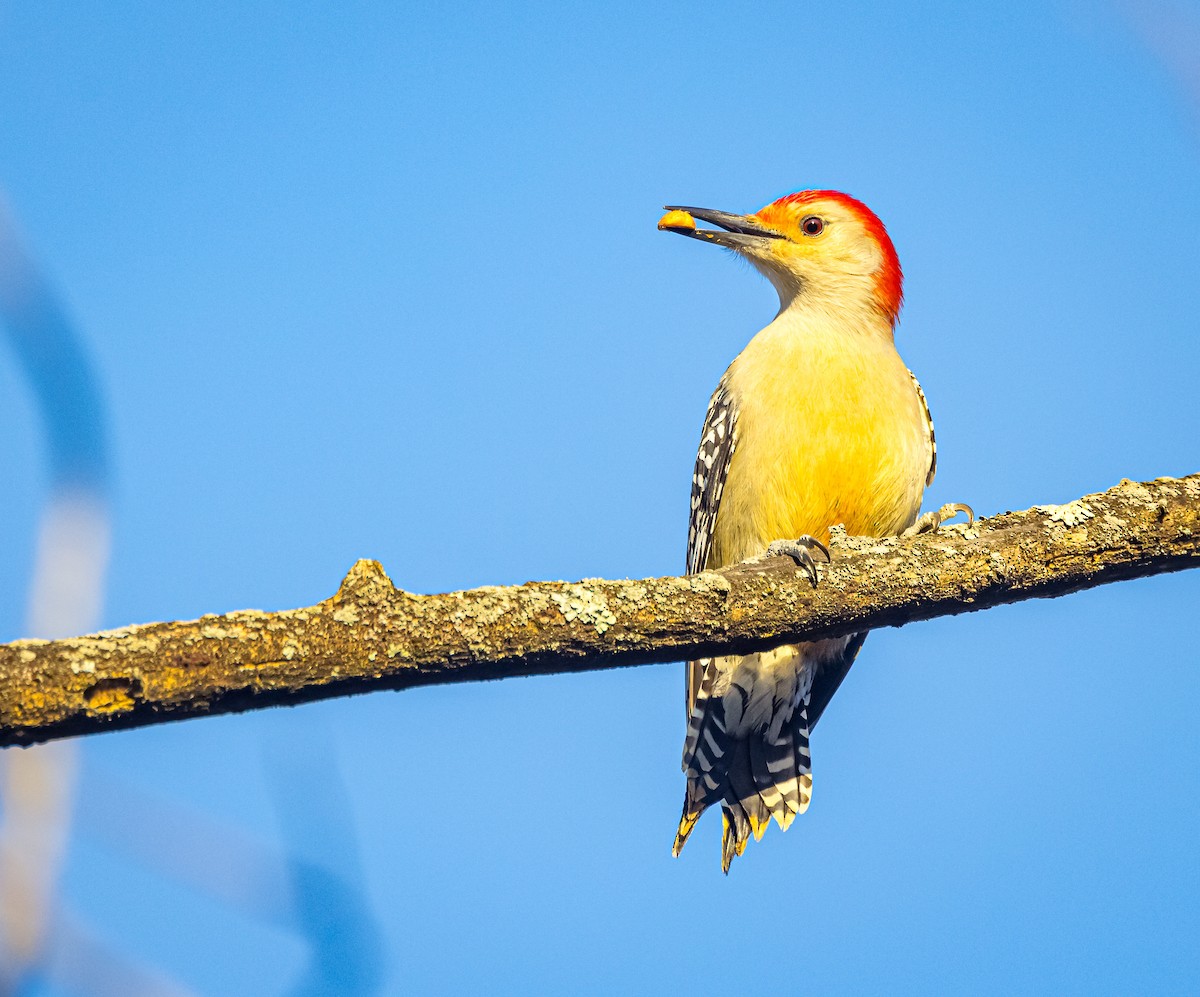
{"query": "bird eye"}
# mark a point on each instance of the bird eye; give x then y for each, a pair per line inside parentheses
(812, 225)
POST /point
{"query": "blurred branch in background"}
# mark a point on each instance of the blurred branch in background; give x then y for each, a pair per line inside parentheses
(311, 888)
(53, 358)
(371, 635)
(1171, 31)
(41, 942)
(77, 961)
(66, 593)
(330, 907)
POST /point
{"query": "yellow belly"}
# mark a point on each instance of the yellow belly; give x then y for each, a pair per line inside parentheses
(828, 432)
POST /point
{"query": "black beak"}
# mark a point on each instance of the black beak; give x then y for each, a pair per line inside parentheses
(741, 231)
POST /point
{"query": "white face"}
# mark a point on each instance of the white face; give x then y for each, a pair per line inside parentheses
(826, 252)
(822, 250)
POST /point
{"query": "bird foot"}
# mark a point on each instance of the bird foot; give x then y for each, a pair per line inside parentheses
(799, 550)
(930, 521)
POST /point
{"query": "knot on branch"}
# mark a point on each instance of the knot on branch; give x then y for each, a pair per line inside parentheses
(366, 584)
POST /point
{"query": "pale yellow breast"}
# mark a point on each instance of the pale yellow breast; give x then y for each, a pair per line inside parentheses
(830, 430)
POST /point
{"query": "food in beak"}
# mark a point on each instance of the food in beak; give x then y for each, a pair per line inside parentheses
(677, 221)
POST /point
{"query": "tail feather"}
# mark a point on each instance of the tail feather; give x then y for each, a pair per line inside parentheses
(706, 766)
(704, 751)
(796, 784)
(734, 836)
(768, 762)
(699, 707)
(803, 758)
(743, 794)
(757, 771)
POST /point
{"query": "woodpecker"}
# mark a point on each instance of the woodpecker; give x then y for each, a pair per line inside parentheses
(817, 422)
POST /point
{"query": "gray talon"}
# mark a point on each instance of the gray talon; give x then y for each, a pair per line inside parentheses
(955, 508)
(799, 550)
(930, 521)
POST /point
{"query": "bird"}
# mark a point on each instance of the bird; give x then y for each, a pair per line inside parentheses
(817, 422)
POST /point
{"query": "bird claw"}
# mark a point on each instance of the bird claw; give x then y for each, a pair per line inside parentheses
(799, 551)
(929, 522)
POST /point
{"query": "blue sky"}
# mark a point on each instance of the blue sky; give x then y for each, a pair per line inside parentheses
(368, 281)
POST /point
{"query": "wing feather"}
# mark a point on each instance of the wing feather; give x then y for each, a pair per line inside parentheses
(929, 423)
(718, 440)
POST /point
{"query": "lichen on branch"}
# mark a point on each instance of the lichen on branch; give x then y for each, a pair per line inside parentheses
(371, 635)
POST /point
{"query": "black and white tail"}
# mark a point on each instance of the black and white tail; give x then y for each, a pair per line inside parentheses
(747, 746)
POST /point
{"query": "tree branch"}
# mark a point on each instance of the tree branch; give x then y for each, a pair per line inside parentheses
(371, 635)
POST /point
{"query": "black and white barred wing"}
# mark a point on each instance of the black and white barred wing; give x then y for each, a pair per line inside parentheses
(929, 425)
(718, 440)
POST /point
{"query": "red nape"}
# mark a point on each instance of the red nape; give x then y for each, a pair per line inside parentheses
(889, 282)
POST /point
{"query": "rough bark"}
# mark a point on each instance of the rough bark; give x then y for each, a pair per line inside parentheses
(371, 635)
